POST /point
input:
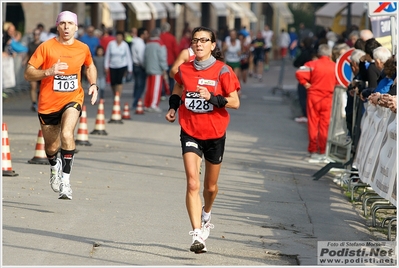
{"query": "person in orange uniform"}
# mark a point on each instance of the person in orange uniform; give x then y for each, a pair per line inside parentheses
(57, 62)
(203, 90)
(318, 77)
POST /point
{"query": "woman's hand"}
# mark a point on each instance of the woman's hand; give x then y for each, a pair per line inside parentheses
(171, 115)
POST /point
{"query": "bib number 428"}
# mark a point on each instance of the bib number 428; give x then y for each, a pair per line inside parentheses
(198, 105)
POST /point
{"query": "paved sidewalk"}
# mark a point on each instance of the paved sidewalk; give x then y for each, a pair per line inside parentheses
(129, 190)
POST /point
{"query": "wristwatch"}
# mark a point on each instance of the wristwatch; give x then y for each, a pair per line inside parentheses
(94, 84)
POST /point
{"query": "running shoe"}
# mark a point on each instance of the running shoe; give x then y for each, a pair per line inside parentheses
(55, 177)
(65, 191)
(206, 227)
(198, 245)
(301, 119)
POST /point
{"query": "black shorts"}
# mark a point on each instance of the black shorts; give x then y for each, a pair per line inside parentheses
(116, 75)
(213, 149)
(55, 118)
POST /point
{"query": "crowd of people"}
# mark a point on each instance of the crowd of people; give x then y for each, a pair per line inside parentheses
(374, 82)
(120, 56)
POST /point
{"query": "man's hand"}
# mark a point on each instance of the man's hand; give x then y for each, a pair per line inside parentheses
(56, 68)
(93, 92)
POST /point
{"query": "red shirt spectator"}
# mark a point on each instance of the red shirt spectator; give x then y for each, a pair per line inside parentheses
(106, 38)
(170, 42)
(185, 41)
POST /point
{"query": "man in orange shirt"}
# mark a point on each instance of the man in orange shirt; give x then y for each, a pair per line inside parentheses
(57, 62)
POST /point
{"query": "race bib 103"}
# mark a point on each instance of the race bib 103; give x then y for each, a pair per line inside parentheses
(65, 83)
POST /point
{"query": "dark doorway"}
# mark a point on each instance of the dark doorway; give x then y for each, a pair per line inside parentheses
(15, 14)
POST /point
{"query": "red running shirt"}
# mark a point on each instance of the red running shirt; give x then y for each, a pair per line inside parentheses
(197, 117)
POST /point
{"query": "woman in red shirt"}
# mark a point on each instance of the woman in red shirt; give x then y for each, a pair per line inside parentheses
(203, 90)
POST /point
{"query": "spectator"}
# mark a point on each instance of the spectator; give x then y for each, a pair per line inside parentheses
(372, 73)
(352, 38)
(267, 35)
(172, 50)
(185, 41)
(118, 60)
(366, 34)
(318, 77)
(283, 43)
(19, 52)
(138, 50)
(303, 32)
(106, 38)
(156, 66)
(90, 39)
(339, 49)
(52, 33)
(293, 43)
(99, 61)
(34, 85)
(8, 73)
(307, 54)
(350, 93)
(386, 64)
(43, 34)
(332, 38)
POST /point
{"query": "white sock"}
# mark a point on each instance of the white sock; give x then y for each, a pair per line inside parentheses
(65, 178)
(205, 215)
(198, 231)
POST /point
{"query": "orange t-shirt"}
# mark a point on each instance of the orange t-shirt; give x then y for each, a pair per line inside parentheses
(58, 90)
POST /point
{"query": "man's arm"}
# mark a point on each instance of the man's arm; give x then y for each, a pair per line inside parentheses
(92, 78)
(34, 74)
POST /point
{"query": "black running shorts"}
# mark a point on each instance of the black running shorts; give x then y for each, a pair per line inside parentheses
(213, 149)
(55, 118)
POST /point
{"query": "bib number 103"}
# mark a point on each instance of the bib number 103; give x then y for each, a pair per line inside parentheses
(65, 83)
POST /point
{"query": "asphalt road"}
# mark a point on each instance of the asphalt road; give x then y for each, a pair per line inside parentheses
(128, 204)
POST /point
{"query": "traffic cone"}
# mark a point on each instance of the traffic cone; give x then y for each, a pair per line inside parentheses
(83, 135)
(139, 109)
(40, 154)
(6, 154)
(99, 127)
(116, 117)
(126, 112)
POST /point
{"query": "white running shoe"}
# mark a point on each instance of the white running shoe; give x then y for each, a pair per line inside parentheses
(55, 177)
(65, 191)
(198, 245)
(206, 227)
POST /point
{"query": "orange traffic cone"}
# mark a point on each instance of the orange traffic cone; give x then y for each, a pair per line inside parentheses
(116, 116)
(40, 154)
(126, 112)
(99, 127)
(6, 154)
(139, 109)
(83, 135)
